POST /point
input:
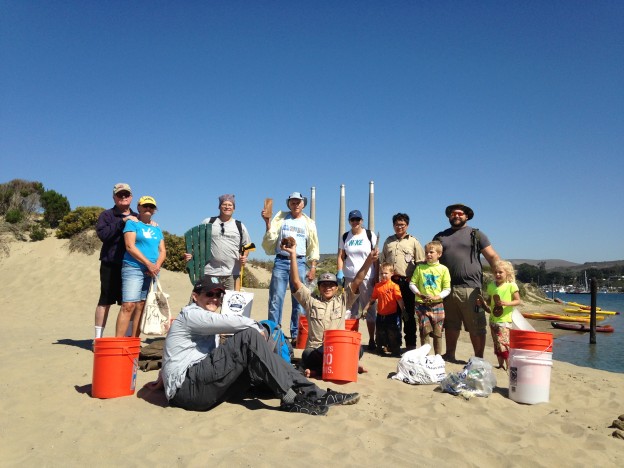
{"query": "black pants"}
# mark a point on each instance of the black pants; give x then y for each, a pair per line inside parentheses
(388, 331)
(244, 359)
(409, 319)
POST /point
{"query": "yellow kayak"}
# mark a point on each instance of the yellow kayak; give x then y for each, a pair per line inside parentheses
(580, 306)
(584, 311)
(559, 318)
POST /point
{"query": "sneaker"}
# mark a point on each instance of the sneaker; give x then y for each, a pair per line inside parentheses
(332, 398)
(303, 405)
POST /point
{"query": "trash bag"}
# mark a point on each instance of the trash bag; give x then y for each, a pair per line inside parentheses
(476, 379)
(416, 367)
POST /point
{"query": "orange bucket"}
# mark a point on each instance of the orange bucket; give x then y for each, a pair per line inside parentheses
(302, 334)
(115, 364)
(352, 324)
(341, 352)
(531, 340)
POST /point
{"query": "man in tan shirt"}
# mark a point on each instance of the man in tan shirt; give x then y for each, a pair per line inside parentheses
(404, 251)
(326, 313)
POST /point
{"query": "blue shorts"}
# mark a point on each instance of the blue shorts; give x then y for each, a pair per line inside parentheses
(134, 283)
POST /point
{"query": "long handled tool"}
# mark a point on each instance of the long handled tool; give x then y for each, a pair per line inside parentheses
(251, 247)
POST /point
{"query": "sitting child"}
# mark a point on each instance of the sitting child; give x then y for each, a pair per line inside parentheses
(327, 312)
(388, 322)
(431, 283)
(504, 295)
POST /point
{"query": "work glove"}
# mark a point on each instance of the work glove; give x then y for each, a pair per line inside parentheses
(340, 277)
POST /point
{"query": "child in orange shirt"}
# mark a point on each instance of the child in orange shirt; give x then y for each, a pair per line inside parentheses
(388, 322)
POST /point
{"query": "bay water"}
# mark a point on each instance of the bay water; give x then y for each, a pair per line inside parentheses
(608, 351)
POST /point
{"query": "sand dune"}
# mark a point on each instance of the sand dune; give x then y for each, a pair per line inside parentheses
(48, 298)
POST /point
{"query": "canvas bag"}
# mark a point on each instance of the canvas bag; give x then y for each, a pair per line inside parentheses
(156, 316)
(417, 368)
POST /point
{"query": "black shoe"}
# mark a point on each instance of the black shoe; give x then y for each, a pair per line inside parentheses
(303, 405)
(332, 398)
(371, 345)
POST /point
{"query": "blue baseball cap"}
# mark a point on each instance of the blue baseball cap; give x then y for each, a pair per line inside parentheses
(355, 214)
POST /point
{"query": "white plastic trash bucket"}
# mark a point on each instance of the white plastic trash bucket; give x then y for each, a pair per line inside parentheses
(529, 376)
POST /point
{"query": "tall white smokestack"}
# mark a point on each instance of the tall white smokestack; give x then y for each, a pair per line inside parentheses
(341, 219)
(313, 203)
(371, 206)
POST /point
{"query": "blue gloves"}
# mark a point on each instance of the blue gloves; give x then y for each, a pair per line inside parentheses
(340, 277)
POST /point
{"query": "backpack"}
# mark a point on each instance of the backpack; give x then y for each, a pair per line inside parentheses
(239, 226)
(277, 341)
(369, 234)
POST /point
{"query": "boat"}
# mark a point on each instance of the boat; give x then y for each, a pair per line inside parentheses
(559, 317)
(581, 327)
(587, 312)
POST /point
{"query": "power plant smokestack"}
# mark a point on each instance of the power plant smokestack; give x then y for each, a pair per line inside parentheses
(371, 206)
(341, 219)
(313, 203)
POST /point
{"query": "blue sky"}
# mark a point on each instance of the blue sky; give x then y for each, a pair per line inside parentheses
(514, 108)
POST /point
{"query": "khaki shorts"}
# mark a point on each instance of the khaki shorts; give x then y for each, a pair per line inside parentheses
(459, 307)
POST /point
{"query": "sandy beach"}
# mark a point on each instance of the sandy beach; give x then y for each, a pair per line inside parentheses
(48, 298)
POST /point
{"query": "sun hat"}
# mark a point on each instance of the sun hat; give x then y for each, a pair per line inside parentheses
(147, 200)
(120, 187)
(355, 214)
(297, 196)
(459, 206)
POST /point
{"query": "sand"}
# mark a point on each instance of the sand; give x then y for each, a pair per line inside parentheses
(48, 298)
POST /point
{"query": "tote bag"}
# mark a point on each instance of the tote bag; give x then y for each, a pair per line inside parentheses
(156, 316)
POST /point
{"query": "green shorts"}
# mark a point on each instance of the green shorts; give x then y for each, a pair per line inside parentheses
(461, 307)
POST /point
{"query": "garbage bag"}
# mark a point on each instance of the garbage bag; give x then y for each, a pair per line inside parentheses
(476, 379)
(417, 368)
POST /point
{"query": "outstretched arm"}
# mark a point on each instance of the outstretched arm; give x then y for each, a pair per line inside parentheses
(372, 257)
(294, 268)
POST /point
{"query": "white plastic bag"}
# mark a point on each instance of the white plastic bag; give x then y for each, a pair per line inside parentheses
(156, 316)
(417, 368)
(476, 379)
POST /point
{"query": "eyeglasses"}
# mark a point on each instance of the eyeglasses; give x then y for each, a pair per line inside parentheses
(222, 228)
(123, 195)
(457, 213)
(149, 206)
(214, 294)
(400, 225)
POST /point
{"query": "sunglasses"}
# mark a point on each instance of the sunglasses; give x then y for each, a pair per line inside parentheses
(355, 220)
(214, 294)
(457, 213)
(149, 206)
(123, 195)
(222, 228)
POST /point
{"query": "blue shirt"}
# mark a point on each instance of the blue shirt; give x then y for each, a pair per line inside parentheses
(147, 241)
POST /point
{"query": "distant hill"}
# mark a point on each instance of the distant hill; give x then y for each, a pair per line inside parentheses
(554, 264)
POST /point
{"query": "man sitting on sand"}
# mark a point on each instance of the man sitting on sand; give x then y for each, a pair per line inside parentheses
(199, 372)
(326, 313)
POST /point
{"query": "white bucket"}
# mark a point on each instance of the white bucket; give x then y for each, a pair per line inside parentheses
(529, 376)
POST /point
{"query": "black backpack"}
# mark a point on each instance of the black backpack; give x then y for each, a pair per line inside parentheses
(369, 234)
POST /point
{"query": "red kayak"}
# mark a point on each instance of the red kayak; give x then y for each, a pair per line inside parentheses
(581, 327)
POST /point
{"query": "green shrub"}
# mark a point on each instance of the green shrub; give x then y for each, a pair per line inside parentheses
(20, 194)
(13, 216)
(37, 233)
(86, 242)
(55, 207)
(78, 220)
(176, 248)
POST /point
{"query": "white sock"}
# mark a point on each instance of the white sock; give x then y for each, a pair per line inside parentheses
(99, 331)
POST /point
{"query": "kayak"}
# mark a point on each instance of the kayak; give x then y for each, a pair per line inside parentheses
(581, 327)
(587, 312)
(561, 318)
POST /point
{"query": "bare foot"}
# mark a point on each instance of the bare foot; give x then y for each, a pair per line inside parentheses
(362, 370)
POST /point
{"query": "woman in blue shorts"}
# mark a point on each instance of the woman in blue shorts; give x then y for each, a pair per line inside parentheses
(145, 254)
